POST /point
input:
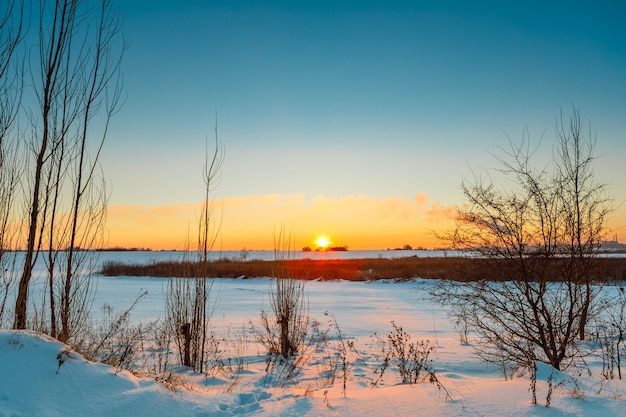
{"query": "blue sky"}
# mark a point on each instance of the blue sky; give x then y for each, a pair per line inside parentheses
(356, 98)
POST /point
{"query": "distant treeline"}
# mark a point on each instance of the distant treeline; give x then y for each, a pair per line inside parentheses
(79, 249)
(451, 268)
(121, 249)
(329, 249)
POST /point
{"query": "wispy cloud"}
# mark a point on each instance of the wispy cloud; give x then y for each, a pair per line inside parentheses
(359, 221)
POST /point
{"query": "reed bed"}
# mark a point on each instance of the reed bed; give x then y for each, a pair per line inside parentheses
(450, 268)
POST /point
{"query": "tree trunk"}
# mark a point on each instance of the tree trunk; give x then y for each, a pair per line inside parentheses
(186, 331)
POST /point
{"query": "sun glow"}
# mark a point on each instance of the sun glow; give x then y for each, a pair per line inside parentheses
(322, 242)
(392, 222)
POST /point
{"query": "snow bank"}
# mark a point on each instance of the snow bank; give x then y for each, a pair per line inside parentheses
(42, 377)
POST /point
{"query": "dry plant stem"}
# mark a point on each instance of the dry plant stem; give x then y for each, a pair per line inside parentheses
(343, 353)
(114, 340)
(611, 335)
(116, 325)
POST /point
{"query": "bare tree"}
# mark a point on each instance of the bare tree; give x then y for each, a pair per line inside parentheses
(11, 87)
(541, 228)
(77, 88)
(189, 303)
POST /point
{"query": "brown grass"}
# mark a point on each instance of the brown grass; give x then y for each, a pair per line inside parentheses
(452, 268)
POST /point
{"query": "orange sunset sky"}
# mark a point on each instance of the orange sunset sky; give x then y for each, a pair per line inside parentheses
(395, 221)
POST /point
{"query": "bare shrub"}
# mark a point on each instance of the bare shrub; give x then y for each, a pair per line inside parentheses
(114, 340)
(284, 332)
(411, 359)
(154, 352)
(461, 324)
(325, 359)
(610, 335)
(188, 300)
(189, 309)
(230, 358)
(284, 329)
(334, 353)
(226, 355)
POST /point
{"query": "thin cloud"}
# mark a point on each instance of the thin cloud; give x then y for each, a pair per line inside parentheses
(358, 221)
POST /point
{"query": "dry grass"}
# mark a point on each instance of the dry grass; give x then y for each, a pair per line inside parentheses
(452, 268)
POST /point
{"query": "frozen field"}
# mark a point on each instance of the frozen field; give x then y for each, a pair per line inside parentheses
(33, 383)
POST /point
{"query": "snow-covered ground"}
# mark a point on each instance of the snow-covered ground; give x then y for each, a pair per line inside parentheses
(41, 377)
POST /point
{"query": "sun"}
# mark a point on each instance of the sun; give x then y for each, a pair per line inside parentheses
(322, 242)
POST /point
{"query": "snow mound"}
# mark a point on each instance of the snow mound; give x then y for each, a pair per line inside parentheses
(43, 377)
